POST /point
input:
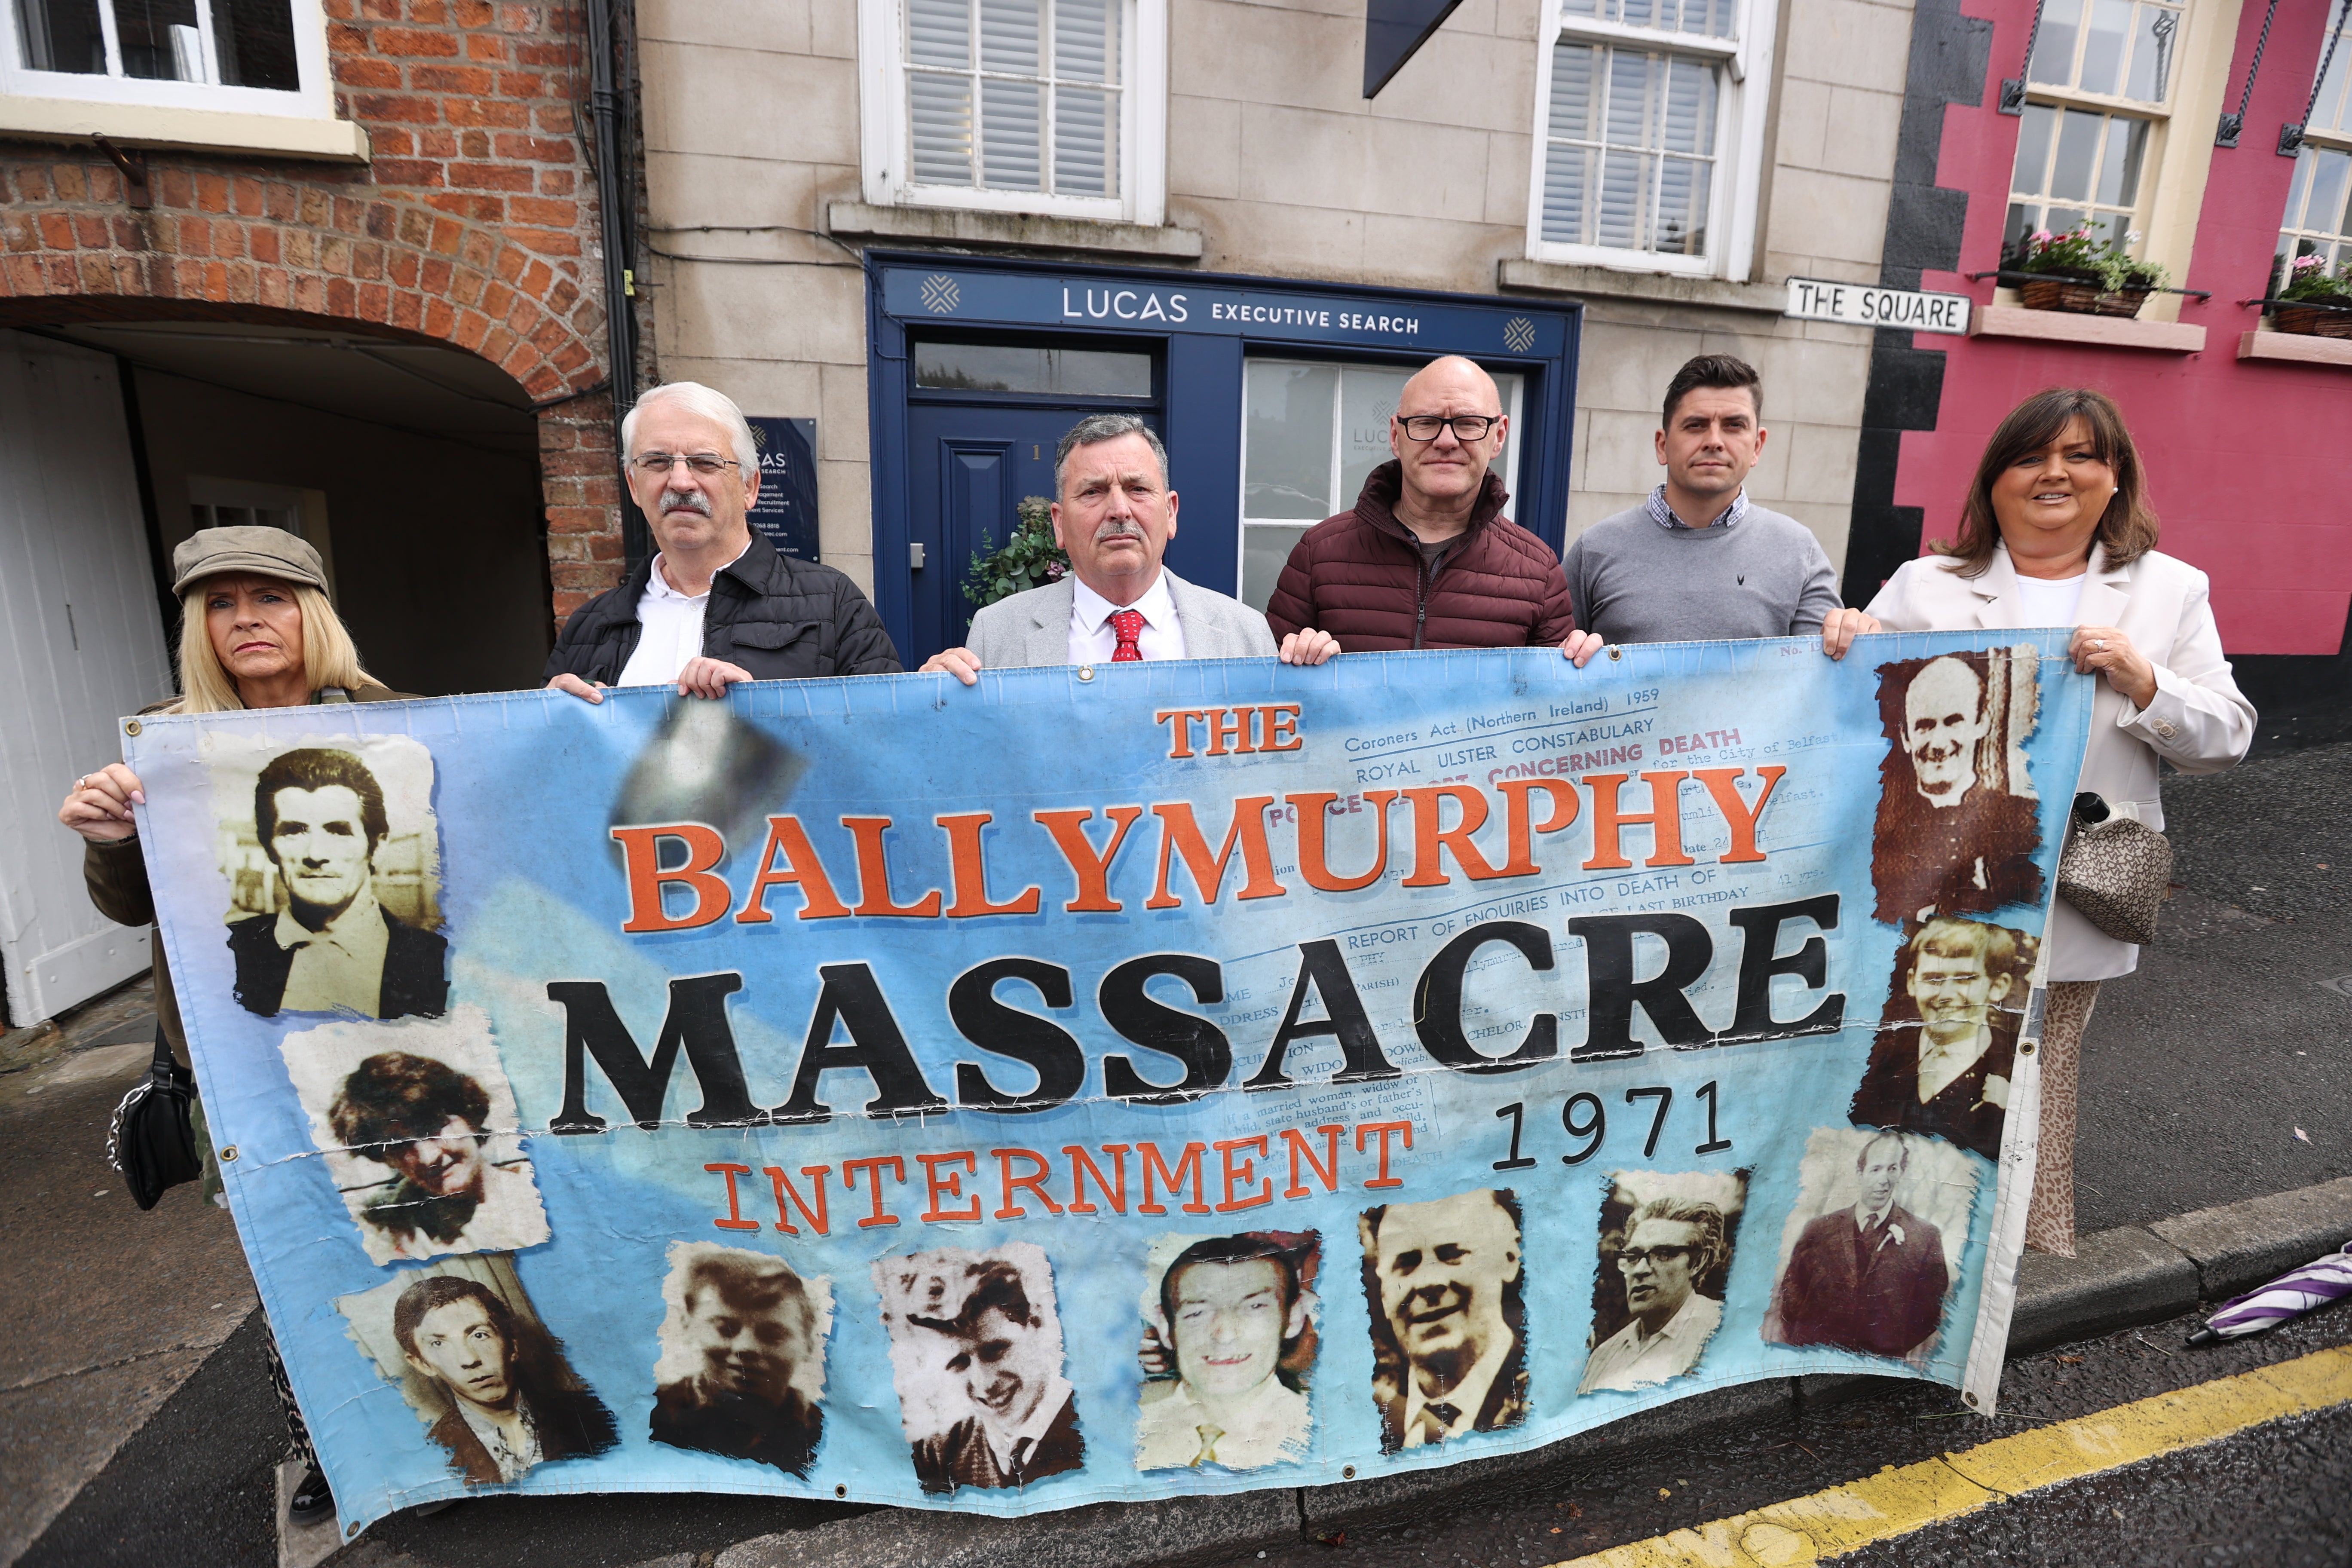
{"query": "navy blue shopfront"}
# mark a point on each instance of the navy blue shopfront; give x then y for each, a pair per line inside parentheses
(976, 368)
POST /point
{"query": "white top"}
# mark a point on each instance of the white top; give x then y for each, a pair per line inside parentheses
(669, 629)
(2050, 602)
(512, 1460)
(1092, 639)
(1627, 1360)
(342, 967)
(1174, 1430)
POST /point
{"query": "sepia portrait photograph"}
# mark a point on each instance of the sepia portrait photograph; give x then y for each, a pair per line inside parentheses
(976, 1357)
(1229, 1350)
(1665, 1255)
(333, 864)
(462, 1343)
(418, 1127)
(1445, 1285)
(1947, 1043)
(742, 1369)
(1873, 1247)
(1957, 829)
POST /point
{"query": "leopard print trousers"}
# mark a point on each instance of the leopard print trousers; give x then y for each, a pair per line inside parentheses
(2050, 1218)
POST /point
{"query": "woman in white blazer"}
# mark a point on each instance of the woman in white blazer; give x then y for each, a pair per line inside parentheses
(2057, 531)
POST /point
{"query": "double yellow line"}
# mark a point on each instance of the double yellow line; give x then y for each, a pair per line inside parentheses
(1897, 1501)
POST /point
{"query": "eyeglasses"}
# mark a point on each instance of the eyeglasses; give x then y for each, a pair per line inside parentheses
(1466, 427)
(1632, 1258)
(661, 463)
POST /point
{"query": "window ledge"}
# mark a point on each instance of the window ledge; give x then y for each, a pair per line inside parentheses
(1661, 287)
(203, 130)
(2073, 327)
(2294, 347)
(1011, 231)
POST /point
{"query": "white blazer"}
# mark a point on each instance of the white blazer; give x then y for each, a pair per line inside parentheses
(2198, 723)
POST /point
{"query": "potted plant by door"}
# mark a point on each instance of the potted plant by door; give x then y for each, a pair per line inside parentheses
(1029, 559)
(2081, 271)
(2324, 300)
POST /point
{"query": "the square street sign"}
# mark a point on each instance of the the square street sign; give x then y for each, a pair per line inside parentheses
(1862, 305)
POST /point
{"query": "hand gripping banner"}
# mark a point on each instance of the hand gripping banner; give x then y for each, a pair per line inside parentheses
(1120, 1081)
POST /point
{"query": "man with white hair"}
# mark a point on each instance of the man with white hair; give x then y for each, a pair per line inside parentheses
(717, 604)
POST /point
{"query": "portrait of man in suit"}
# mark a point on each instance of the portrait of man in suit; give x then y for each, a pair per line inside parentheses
(1113, 515)
(431, 1125)
(1870, 1277)
(746, 1324)
(332, 947)
(1671, 1261)
(1948, 1074)
(511, 1402)
(977, 1353)
(1444, 1282)
(1952, 836)
(1231, 1315)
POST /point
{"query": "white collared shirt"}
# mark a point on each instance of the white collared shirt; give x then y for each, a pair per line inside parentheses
(512, 1462)
(1002, 1444)
(339, 967)
(1625, 1359)
(1270, 1425)
(1939, 1065)
(1864, 1219)
(1467, 1397)
(1093, 640)
(669, 628)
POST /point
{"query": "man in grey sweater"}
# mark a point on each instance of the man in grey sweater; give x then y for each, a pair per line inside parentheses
(1699, 560)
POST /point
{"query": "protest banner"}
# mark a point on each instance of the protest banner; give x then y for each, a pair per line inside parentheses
(1116, 1081)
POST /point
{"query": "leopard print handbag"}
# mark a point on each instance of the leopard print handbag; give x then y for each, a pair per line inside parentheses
(2115, 871)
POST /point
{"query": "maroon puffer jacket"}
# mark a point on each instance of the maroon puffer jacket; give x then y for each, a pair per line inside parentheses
(1360, 577)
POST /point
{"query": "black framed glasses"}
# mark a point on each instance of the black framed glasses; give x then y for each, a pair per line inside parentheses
(1466, 427)
(704, 463)
(1632, 1258)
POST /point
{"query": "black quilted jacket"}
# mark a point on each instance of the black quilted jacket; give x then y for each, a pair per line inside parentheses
(779, 618)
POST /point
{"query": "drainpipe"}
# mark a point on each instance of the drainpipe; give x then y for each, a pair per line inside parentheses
(612, 192)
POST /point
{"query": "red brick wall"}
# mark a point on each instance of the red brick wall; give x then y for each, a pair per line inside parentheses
(474, 226)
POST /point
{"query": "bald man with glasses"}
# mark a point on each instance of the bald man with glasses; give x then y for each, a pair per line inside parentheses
(717, 604)
(1426, 559)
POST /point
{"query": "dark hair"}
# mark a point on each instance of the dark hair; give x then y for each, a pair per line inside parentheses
(1712, 370)
(997, 1288)
(2126, 530)
(314, 768)
(1229, 1249)
(396, 1097)
(436, 1290)
(1703, 1217)
(1902, 1147)
(762, 1285)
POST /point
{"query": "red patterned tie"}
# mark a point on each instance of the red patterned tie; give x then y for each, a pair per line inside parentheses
(1129, 626)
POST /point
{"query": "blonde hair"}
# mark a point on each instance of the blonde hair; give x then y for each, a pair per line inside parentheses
(329, 657)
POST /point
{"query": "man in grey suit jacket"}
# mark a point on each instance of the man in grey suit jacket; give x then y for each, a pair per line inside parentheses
(1114, 518)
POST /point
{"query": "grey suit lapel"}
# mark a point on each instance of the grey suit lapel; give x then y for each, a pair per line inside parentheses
(1046, 639)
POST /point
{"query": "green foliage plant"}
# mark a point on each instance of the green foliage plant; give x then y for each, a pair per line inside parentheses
(2310, 279)
(2082, 253)
(1029, 559)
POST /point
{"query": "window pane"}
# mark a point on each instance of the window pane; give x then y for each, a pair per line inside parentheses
(1367, 396)
(1085, 142)
(61, 36)
(2103, 50)
(1286, 412)
(1634, 105)
(2151, 64)
(2324, 212)
(940, 109)
(1086, 40)
(2033, 149)
(2078, 151)
(2333, 111)
(1682, 207)
(2053, 46)
(938, 32)
(2119, 170)
(1008, 36)
(1008, 112)
(1263, 550)
(158, 40)
(1006, 367)
(254, 42)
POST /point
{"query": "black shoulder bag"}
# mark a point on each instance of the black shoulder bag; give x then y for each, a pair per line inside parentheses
(151, 1142)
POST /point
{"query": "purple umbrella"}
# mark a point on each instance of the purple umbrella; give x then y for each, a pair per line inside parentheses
(2290, 1295)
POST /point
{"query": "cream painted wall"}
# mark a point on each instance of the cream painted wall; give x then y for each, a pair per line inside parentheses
(1283, 168)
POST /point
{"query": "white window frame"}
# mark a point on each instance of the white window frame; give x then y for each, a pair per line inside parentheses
(314, 100)
(1142, 129)
(1744, 75)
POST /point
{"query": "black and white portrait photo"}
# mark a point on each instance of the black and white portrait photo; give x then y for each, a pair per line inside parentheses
(332, 861)
(1957, 830)
(1941, 1062)
(1228, 1329)
(1444, 1281)
(418, 1126)
(1665, 1255)
(1873, 1247)
(976, 1357)
(741, 1371)
(462, 1343)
